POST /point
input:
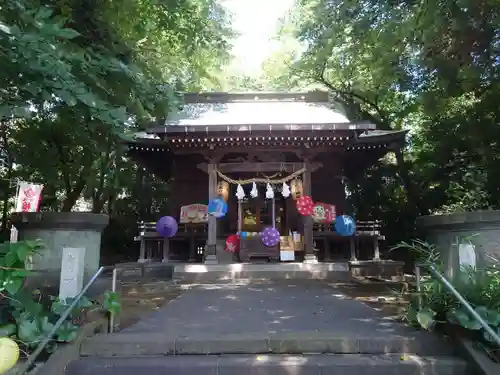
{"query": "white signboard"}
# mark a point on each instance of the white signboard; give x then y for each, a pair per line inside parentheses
(287, 256)
(72, 268)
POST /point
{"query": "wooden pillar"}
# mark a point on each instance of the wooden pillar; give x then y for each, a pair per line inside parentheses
(211, 247)
(309, 256)
(192, 249)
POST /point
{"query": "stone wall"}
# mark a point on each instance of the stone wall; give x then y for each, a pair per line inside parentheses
(58, 230)
(447, 232)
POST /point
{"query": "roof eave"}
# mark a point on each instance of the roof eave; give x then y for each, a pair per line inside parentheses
(237, 128)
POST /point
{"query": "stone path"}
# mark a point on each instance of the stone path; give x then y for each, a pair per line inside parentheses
(275, 307)
(277, 328)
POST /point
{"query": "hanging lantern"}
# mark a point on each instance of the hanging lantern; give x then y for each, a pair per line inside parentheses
(297, 189)
(223, 190)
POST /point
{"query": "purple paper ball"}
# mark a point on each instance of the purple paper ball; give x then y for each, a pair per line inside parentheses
(167, 226)
(270, 237)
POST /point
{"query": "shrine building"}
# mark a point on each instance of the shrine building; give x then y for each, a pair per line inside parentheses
(240, 145)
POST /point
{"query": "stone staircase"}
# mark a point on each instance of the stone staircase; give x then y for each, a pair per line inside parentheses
(241, 272)
(250, 329)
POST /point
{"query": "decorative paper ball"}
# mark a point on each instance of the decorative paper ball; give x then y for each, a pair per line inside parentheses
(345, 225)
(9, 354)
(305, 205)
(232, 243)
(243, 234)
(270, 237)
(167, 226)
(217, 207)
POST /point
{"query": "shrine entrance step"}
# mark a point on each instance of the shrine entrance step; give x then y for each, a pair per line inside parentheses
(273, 327)
(248, 272)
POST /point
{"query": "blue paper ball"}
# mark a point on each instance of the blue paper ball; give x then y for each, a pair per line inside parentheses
(217, 207)
(243, 234)
(345, 225)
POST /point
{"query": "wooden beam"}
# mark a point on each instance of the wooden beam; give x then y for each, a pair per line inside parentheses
(259, 167)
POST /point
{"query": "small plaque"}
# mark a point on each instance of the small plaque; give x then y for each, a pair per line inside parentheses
(467, 255)
(72, 270)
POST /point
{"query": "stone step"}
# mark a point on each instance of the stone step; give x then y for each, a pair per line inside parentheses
(126, 344)
(199, 273)
(252, 276)
(352, 364)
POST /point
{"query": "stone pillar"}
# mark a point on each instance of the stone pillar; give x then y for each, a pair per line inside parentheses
(376, 250)
(310, 256)
(60, 230)
(142, 251)
(352, 247)
(211, 247)
(166, 250)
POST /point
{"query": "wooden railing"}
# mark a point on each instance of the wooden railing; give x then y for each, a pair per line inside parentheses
(363, 228)
(148, 229)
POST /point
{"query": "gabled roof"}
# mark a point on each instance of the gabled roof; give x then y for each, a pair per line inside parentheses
(258, 111)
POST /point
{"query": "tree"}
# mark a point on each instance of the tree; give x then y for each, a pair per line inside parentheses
(78, 72)
(431, 67)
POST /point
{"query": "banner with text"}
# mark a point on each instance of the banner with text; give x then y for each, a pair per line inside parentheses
(28, 196)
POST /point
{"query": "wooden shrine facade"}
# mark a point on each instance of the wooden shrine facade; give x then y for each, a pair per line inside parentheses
(264, 135)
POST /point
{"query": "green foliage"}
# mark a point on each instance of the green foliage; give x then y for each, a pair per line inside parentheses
(429, 67)
(78, 73)
(25, 316)
(112, 302)
(479, 287)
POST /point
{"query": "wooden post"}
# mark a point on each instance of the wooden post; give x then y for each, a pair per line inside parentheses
(192, 249)
(211, 248)
(273, 213)
(309, 256)
(240, 217)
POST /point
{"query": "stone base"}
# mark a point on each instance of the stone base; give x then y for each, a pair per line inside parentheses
(310, 259)
(244, 272)
(384, 269)
(211, 259)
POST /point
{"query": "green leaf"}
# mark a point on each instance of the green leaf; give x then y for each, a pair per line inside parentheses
(45, 325)
(112, 302)
(491, 317)
(67, 332)
(488, 337)
(28, 331)
(7, 330)
(463, 318)
(426, 318)
(12, 285)
(67, 33)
